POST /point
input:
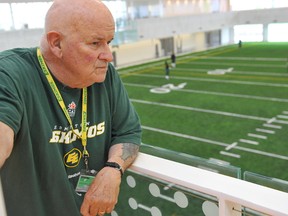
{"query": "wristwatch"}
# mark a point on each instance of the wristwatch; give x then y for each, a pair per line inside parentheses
(116, 166)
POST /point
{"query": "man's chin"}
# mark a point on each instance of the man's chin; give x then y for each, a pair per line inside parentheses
(100, 78)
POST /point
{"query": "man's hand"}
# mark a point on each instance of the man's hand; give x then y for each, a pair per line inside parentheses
(102, 194)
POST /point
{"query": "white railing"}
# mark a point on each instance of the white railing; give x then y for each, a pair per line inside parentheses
(232, 193)
(2, 204)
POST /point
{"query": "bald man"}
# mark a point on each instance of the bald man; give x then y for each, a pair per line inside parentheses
(67, 128)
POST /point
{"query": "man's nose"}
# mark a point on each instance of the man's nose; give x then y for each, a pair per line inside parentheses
(106, 54)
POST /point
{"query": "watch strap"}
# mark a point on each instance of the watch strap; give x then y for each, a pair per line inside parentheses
(116, 166)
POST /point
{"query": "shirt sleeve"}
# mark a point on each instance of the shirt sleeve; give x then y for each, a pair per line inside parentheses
(10, 105)
(126, 127)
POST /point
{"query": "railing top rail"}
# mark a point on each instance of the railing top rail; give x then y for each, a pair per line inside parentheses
(257, 197)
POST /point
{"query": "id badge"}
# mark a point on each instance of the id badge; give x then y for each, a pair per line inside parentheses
(85, 180)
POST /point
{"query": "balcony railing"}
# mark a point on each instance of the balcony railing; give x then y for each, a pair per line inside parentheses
(160, 187)
(231, 195)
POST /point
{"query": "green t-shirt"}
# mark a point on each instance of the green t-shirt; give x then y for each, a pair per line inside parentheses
(40, 176)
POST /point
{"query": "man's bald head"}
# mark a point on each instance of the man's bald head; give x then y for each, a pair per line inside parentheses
(70, 15)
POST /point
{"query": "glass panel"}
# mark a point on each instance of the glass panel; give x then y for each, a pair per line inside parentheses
(274, 183)
(249, 212)
(277, 32)
(211, 165)
(141, 195)
(250, 32)
(266, 181)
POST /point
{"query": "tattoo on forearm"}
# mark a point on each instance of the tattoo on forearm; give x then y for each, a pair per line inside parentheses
(129, 151)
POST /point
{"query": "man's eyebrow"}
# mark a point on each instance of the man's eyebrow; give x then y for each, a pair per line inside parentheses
(97, 37)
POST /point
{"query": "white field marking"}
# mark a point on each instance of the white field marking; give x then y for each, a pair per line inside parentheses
(185, 136)
(247, 58)
(218, 81)
(282, 116)
(249, 141)
(257, 136)
(231, 146)
(237, 72)
(265, 131)
(227, 64)
(230, 154)
(260, 73)
(271, 120)
(283, 157)
(200, 110)
(216, 93)
(272, 126)
(285, 112)
(281, 122)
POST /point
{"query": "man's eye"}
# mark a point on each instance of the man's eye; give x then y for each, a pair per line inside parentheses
(110, 41)
(95, 43)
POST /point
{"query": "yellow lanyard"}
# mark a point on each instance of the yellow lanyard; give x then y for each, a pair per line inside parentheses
(60, 100)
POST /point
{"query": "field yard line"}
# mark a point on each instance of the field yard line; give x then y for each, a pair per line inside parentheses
(280, 121)
(282, 116)
(265, 131)
(185, 136)
(216, 93)
(272, 126)
(236, 72)
(230, 154)
(257, 136)
(230, 64)
(252, 142)
(218, 81)
(231, 146)
(200, 110)
(215, 142)
(247, 58)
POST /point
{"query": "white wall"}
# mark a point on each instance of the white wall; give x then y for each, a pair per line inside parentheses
(20, 38)
(165, 27)
(144, 51)
(135, 52)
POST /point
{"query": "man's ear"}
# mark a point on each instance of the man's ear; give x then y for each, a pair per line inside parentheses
(54, 42)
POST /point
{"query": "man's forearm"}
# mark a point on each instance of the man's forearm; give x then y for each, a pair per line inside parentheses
(6, 142)
(124, 154)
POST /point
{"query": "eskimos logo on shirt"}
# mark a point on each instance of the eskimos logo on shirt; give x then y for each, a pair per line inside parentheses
(67, 137)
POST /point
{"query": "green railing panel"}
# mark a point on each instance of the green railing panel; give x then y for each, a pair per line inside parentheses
(266, 181)
(211, 165)
(142, 196)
